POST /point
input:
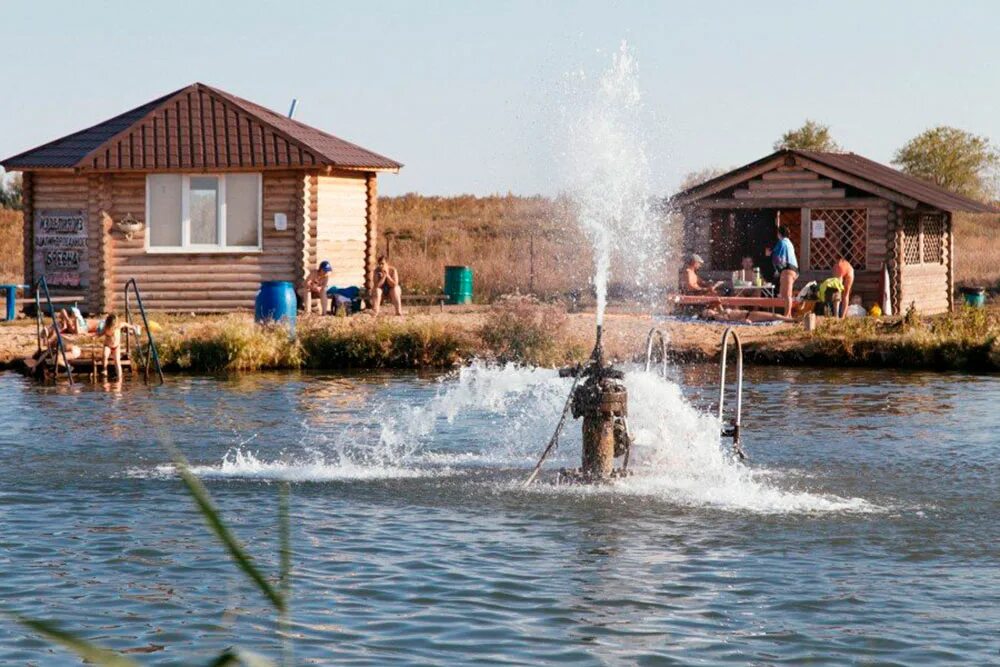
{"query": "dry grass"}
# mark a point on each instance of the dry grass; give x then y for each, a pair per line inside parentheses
(497, 236)
(11, 246)
(977, 250)
(966, 340)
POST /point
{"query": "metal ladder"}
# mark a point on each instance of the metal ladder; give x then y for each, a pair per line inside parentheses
(732, 430)
(41, 287)
(151, 353)
(656, 333)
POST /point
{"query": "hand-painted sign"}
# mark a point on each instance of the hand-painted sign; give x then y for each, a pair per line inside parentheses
(61, 247)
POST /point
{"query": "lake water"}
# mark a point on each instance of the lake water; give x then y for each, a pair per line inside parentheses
(864, 529)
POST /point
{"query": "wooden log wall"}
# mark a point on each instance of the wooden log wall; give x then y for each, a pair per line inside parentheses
(789, 182)
(927, 286)
(206, 282)
(342, 227)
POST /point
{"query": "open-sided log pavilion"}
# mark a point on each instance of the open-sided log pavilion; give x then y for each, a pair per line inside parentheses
(834, 204)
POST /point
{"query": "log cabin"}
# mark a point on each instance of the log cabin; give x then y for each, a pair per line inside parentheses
(834, 204)
(200, 196)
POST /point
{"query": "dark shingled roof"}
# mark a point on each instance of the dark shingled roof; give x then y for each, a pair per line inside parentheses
(867, 170)
(67, 151)
(340, 153)
(289, 142)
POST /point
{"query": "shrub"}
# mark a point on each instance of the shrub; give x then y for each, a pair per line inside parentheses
(521, 329)
(367, 343)
(235, 344)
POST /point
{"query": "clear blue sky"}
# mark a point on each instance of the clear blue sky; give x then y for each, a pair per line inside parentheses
(467, 94)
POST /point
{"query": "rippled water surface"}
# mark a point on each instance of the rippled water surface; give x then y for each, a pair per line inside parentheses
(864, 529)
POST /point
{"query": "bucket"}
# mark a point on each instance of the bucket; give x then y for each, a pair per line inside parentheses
(974, 296)
(458, 284)
(275, 302)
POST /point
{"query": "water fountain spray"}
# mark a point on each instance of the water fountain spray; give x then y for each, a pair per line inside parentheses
(611, 197)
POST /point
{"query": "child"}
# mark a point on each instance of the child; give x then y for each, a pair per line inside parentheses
(112, 332)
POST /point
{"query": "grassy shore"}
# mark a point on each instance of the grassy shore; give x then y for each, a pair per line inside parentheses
(968, 340)
(522, 331)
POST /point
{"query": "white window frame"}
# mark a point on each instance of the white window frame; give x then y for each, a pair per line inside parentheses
(188, 248)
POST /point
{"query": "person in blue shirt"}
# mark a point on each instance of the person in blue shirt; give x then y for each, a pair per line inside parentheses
(786, 267)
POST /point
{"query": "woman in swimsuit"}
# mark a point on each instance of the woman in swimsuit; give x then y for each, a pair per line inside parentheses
(112, 342)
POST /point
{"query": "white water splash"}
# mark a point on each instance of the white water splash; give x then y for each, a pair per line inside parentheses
(610, 177)
(498, 418)
(314, 467)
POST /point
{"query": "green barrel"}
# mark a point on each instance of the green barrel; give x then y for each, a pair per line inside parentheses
(974, 296)
(458, 284)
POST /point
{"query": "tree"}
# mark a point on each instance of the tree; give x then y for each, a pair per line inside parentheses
(955, 159)
(10, 191)
(693, 178)
(812, 136)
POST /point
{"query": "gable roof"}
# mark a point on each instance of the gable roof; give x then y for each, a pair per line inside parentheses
(199, 127)
(865, 174)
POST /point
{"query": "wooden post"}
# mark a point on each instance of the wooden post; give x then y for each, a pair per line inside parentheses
(804, 239)
(950, 247)
(531, 256)
(371, 237)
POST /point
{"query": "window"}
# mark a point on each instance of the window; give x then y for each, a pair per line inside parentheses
(203, 212)
(923, 239)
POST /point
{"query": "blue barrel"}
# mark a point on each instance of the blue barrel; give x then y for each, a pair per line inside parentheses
(458, 284)
(275, 302)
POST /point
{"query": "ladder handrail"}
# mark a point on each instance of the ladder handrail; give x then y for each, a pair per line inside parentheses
(730, 332)
(41, 285)
(151, 353)
(663, 350)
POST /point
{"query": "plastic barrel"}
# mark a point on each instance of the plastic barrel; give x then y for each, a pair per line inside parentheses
(974, 296)
(275, 302)
(458, 284)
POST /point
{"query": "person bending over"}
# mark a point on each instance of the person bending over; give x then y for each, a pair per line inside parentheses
(387, 286)
(842, 269)
(786, 267)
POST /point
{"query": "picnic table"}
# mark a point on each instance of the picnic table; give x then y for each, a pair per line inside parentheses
(767, 289)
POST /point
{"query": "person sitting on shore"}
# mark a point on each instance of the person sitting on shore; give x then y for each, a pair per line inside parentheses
(387, 286)
(112, 333)
(842, 269)
(786, 267)
(691, 282)
(317, 282)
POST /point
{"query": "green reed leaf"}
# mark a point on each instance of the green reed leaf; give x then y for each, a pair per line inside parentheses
(234, 656)
(239, 555)
(89, 652)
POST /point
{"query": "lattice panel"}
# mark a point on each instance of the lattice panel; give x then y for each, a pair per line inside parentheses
(911, 241)
(845, 235)
(933, 239)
